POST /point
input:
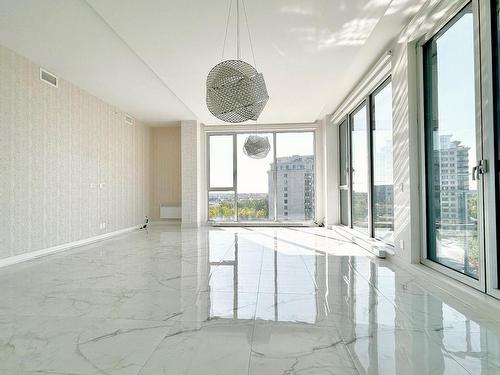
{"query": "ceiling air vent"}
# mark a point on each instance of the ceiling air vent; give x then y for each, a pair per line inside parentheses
(48, 77)
(129, 119)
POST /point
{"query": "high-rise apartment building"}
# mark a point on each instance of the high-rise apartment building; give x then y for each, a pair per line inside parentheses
(452, 160)
(295, 187)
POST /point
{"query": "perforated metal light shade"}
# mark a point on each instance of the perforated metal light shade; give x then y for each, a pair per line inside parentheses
(236, 92)
(256, 146)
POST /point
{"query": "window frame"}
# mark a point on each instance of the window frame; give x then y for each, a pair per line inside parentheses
(234, 188)
(369, 102)
(493, 284)
(372, 125)
(358, 109)
(440, 28)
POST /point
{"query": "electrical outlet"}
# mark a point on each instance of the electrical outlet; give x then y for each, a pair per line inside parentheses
(401, 244)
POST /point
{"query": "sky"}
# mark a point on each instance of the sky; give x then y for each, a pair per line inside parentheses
(456, 97)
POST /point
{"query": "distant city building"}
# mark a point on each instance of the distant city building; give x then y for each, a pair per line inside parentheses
(452, 175)
(294, 189)
(383, 196)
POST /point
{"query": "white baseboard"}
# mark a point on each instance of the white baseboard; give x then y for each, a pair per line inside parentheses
(468, 295)
(164, 222)
(55, 249)
(190, 225)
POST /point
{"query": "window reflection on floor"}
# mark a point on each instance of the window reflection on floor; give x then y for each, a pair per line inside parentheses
(386, 319)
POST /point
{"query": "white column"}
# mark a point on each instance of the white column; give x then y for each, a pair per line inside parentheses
(331, 172)
(407, 239)
(320, 173)
(191, 160)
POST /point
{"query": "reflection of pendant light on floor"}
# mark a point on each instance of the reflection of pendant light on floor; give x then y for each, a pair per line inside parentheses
(236, 92)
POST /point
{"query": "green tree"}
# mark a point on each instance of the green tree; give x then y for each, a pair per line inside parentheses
(472, 206)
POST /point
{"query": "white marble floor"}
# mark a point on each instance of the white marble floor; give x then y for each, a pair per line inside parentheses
(234, 301)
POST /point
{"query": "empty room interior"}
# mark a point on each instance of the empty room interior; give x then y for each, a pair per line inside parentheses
(233, 187)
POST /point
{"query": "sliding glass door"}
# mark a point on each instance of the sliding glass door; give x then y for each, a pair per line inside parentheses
(278, 187)
(453, 148)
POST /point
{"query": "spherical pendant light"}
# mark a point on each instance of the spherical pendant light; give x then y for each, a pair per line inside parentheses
(236, 92)
(256, 146)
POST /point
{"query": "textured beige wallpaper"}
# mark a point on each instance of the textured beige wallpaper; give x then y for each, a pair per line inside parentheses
(166, 168)
(57, 145)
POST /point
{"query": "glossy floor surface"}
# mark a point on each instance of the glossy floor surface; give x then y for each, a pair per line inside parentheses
(235, 301)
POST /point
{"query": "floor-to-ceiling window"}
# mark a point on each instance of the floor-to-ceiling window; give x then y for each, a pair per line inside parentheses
(277, 187)
(221, 178)
(254, 189)
(295, 176)
(496, 101)
(344, 171)
(451, 147)
(359, 169)
(366, 166)
(461, 142)
(383, 192)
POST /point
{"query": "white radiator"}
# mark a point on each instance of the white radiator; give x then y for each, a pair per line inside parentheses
(170, 212)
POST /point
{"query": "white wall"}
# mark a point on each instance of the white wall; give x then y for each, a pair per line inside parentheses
(165, 168)
(57, 145)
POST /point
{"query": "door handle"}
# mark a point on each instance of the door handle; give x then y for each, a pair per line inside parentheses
(479, 169)
(474, 170)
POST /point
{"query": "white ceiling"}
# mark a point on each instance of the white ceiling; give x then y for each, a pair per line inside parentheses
(151, 57)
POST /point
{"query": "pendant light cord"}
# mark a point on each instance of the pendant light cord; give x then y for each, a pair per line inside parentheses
(238, 45)
(238, 49)
(248, 30)
(227, 28)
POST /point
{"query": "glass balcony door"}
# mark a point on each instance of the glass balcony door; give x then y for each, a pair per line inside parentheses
(453, 150)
